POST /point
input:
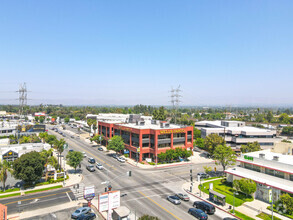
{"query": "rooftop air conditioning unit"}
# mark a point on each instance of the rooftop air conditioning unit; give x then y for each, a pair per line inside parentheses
(276, 158)
(262, 156)
(142, 123)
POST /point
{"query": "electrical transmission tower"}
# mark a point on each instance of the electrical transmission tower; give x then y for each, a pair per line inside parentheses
(175, 99)
(22, 98)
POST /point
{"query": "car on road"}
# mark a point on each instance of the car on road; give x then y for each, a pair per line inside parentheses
(198, 213)
(88, 216)
(183, 197)
(80, 211)
(121, 159)
(100, 149)
(84, 154)
(174, 199)
(115, 156)
(71, 150)
(90, 168)
(203, 175)
(206, 207)
(91, 160)
(99, 166)
(72, 136)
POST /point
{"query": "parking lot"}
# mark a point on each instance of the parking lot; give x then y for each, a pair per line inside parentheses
(64, 214)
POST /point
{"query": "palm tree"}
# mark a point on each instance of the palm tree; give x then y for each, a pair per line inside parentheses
(5, 167)
(59, 145)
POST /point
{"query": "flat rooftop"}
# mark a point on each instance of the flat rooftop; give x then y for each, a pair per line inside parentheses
(149, 125)
(265, 179)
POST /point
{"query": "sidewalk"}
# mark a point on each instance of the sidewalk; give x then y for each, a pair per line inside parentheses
(250, 209)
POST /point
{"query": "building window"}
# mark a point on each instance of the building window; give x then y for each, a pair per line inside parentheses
(291, 177)
(275, 173)
(145, 136)
(164, 136)
(179, 135)
(163, 145)
(145, 145)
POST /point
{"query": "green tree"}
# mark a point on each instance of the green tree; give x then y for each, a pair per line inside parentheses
(42, 119)
(284, 118)
(236, 185)
(59, 145)
(43, 136)
(287, 201)
(247, 186)
(5, 167)
(269, 116)
(224, 156)
(66, 119)
(250, 147)
(116, 144)
(160, 114)
(37, 118)
(196, 133)
(29, 167)
(207, 169)
(74, 159)
(212, 141)
(199, 142)
(148, 217)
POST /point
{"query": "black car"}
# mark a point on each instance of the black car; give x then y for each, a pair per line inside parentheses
(229, 218)
(91, 160)
(87, 216)
(207, 207)
(198, 213)
(100, 149)
(203, 175)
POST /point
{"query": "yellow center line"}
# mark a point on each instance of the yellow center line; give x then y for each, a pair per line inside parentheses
(159, 205)
(38, 197)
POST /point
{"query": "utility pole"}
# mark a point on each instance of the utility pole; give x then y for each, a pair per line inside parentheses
(191, 181)
(22, 98)
(175, 99)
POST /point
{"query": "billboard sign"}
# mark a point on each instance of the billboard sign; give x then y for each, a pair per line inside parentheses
(114, 199)
(103, 202)
(89, 192)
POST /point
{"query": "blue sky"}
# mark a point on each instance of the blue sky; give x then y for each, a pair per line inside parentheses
(131, 52)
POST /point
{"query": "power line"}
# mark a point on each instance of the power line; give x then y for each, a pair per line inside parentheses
(175, 100)
(22, 98)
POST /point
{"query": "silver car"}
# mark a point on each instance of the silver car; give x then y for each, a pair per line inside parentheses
(121, 159)
(80, 211)
(99, 166)
(174, 199)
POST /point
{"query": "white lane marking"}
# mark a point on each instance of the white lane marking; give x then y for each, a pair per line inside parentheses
(68, 197)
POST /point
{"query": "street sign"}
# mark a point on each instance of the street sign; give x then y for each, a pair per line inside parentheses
(103, 202)
(89, 192)
(109, 200)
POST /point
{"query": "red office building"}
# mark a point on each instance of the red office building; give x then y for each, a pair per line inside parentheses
(146, 139)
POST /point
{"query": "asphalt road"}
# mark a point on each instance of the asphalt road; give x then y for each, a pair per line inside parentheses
(146, 190)
(37, 200)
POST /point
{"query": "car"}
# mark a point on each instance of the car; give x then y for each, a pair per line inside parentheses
(198, 213)
(203, 175)
(71, 150)
(91, 160)
(63, 135)
(90, 168)
(77, 137)
(121, 159)
(80, 211)
(206, 207)
(229, 218)
(88, 216)
(84, 154)
(100, 149)
(99, 166)
(115, 156)
(174, 199)
(182, 196)
(72, 136)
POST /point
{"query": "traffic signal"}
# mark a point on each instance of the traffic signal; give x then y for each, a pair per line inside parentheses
(129, 173)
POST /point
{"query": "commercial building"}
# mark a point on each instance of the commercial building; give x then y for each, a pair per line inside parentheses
(236, 133)
(273, 173)
(13, 151)
(8, 128)
(147, 138)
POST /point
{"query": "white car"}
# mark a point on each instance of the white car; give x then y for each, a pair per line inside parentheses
(84, 154)
(121, 159)
(99, 166)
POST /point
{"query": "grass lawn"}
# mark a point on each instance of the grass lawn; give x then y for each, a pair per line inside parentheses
(226, 189)
(10, 190)
(242, 216)
(10, 195)
(44, 189)
(267, 217)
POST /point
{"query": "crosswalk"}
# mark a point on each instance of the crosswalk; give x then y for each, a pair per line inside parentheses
(78, 190)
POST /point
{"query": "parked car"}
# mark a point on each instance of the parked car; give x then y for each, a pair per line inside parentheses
(121, 159)
(229, 218)
(63, 135)
(84, 154)
(88, 216)
(182, 196)
(100, 149)
(174, 199)
(115, 156)
(80, 211)
(198, 213)
(90, 168)
(207, 207)
(203, 175)
(71, 150)
(99, 166)
(91, 160)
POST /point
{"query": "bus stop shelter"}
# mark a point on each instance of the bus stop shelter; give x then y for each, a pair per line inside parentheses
(217, 197)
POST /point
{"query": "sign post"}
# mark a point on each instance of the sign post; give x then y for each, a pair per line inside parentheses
(89, 194)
